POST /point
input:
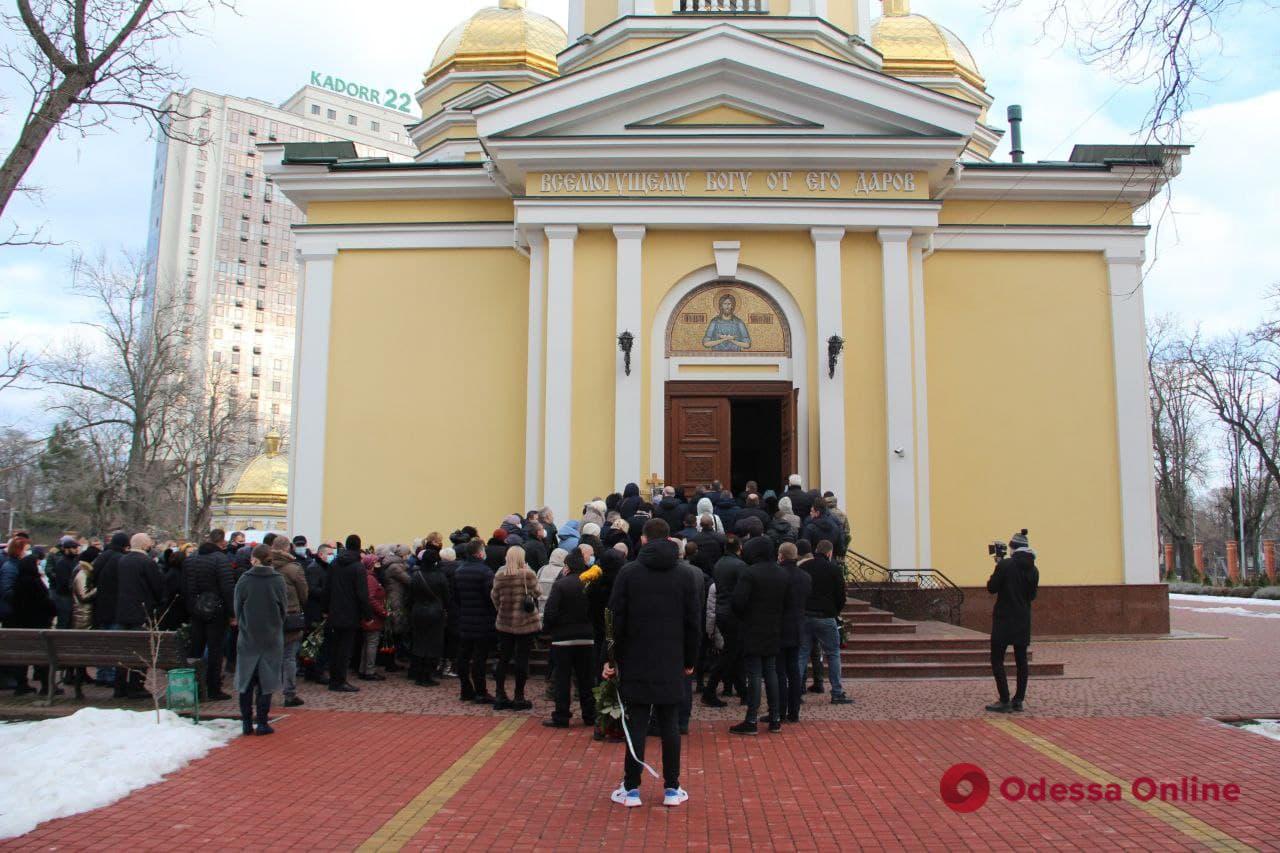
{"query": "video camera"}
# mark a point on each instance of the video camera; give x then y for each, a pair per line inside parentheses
(999, 550)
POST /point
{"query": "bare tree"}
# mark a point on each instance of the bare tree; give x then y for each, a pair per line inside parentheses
(87, 62)
(1176, 437)
(15, 362)
(1160, 43)
(129, 376)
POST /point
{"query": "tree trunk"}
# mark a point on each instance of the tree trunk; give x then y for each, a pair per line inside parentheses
(34, 134)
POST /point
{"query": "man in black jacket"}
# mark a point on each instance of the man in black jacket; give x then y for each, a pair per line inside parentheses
(656, 635)
(790, 684)
(710, 545)
(535, 546)
(801, 502)
(139, 591)
(209, 591)
(61, 577)
(820, 525)
(728, 669)
(477, 622)
(568, 619)
(761, 597)
(745, 525)
(1014, 583)
(822, 611)
(348, 606)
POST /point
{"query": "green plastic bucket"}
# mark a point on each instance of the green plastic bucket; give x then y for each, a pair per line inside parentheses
(183, 693)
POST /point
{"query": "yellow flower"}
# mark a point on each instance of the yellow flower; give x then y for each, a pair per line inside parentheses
(590, 575)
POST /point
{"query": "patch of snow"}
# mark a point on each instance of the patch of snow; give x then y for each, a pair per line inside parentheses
(1232, 611)
(65, 766)
(1218, 599)
(1266, 728)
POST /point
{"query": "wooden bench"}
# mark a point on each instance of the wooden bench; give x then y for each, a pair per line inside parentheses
(60, 649)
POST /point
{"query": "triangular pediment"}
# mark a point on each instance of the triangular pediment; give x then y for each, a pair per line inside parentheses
(725, 77)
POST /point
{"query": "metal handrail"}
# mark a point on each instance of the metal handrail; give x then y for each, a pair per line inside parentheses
(893, 588)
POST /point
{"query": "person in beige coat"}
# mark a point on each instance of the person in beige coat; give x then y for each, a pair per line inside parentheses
(295, 590)
(515, 596)
(83, 592)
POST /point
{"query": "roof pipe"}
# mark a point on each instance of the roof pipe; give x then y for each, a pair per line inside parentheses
(1015, 131)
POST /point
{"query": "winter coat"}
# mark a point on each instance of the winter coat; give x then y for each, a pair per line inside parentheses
(8, 578)
(598, 593)
(846, 532)
(32, 607)
(449, 568)
(63, 574)
(713, 632)
(762, 596)
(656, 626)
(631, 501)
(174, 604)
(396, 575)
(106, 577)
(710, 550)
(428, 594)
(377, 604)
(728, 572)
(1014, 583)
(510, 587)
(209, 570)
(348, 592)
(821, 527)
(706, 507)
(672, 510)
(549, 574)
(476, 614)
(139, 591)
(568, 613)
(569, 535)
(780, 530)
(83, 593)
(495, 554)
(827, 591)
(801, 502)
(260, 602)
(726, 510)
(316, 573)
(793, 616)
(535, 553)
(295, 587)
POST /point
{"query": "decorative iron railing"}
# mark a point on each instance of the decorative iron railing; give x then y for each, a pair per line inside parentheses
(914, 594)
(722, 7)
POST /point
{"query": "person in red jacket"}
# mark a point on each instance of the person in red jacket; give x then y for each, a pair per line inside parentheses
(372, 627)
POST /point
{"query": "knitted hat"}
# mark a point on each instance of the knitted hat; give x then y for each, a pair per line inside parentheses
(120, 540)
(1019, 540)
(500, 535)
(300, 541)
(590, 529)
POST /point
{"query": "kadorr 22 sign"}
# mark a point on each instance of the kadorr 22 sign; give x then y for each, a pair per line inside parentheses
(392, 99)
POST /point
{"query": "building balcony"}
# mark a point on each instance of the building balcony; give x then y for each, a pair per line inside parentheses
(721, 7)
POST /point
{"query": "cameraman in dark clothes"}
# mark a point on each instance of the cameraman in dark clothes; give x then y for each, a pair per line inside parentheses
(1014, 584)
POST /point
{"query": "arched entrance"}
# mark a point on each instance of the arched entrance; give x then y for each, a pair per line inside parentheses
(729, 402)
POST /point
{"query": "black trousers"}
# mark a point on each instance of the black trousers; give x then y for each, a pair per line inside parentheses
(472, 655)
(576, 663)
(668, 719)
(728, 669)
(759, 667)
(815, 659)
(209, 637)
(790, 685)
(998, 649)
(344, 641)
(517, 646)
(128, 679)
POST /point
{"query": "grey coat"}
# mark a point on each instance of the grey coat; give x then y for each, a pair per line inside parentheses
(260, 607)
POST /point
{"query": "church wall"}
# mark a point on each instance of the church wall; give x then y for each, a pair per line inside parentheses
(669, 256)
(426, 391)
(982, 212)
(594, 352)
(623, 48)
(866, 440)
(400, 210)
(1022, 413)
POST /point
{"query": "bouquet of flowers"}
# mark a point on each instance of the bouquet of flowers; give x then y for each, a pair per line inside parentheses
(311, 644)
(608, 701)
(590, 576)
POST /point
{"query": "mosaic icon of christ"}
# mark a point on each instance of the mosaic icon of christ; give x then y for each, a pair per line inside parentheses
(725, 332)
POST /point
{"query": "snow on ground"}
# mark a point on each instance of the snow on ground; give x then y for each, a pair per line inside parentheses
(65, 766)
(1266, 728)
(1219, 599)
(1231, 611)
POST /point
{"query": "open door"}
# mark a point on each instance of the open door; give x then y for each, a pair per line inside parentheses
(790, 403)
(699, 448)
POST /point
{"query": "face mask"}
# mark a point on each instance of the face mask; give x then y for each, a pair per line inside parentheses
(299, 551)
(329, 559)
(591, 561)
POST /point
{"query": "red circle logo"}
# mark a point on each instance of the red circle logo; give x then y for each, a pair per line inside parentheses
(979, 788)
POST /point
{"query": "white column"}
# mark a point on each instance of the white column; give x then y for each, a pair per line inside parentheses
(533, 376)
(924, 528)
(803, 9)
(861, 19)
(830, 321)
(310, 397)
(1133, 416)
(577, 19)
(627, 417)
(559, 414)
(899, 398)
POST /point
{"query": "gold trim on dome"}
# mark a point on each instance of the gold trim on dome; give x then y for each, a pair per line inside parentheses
(500, 38)
(915, 46)
(264, 479)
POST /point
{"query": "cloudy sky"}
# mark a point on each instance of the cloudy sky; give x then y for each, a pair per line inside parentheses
(1217, 251)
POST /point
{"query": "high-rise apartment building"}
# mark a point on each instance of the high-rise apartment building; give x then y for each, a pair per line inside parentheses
(221, 234)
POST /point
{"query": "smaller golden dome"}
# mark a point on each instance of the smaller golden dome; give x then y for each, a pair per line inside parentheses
(264, 479)
(915, 46)
(506, 36)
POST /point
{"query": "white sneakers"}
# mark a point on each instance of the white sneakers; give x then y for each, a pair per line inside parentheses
(631, 799)
(622, 796)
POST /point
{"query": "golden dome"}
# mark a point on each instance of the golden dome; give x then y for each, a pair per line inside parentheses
(501, 37)
(264, 479)
(915, 46)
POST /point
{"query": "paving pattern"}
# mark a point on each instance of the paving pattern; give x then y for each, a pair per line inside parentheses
(342, 773)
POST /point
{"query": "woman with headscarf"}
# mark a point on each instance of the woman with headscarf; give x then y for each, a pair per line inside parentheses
(428, 593)
(372, 627)
(515, 596)
(569, 534)
(705, 507)
(548, 574)
(260, 604)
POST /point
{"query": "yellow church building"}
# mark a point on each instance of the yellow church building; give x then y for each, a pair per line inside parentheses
(697, 240)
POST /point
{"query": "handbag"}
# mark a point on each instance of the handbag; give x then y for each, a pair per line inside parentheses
(294, 622)
(208, 606)
(529, 604)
